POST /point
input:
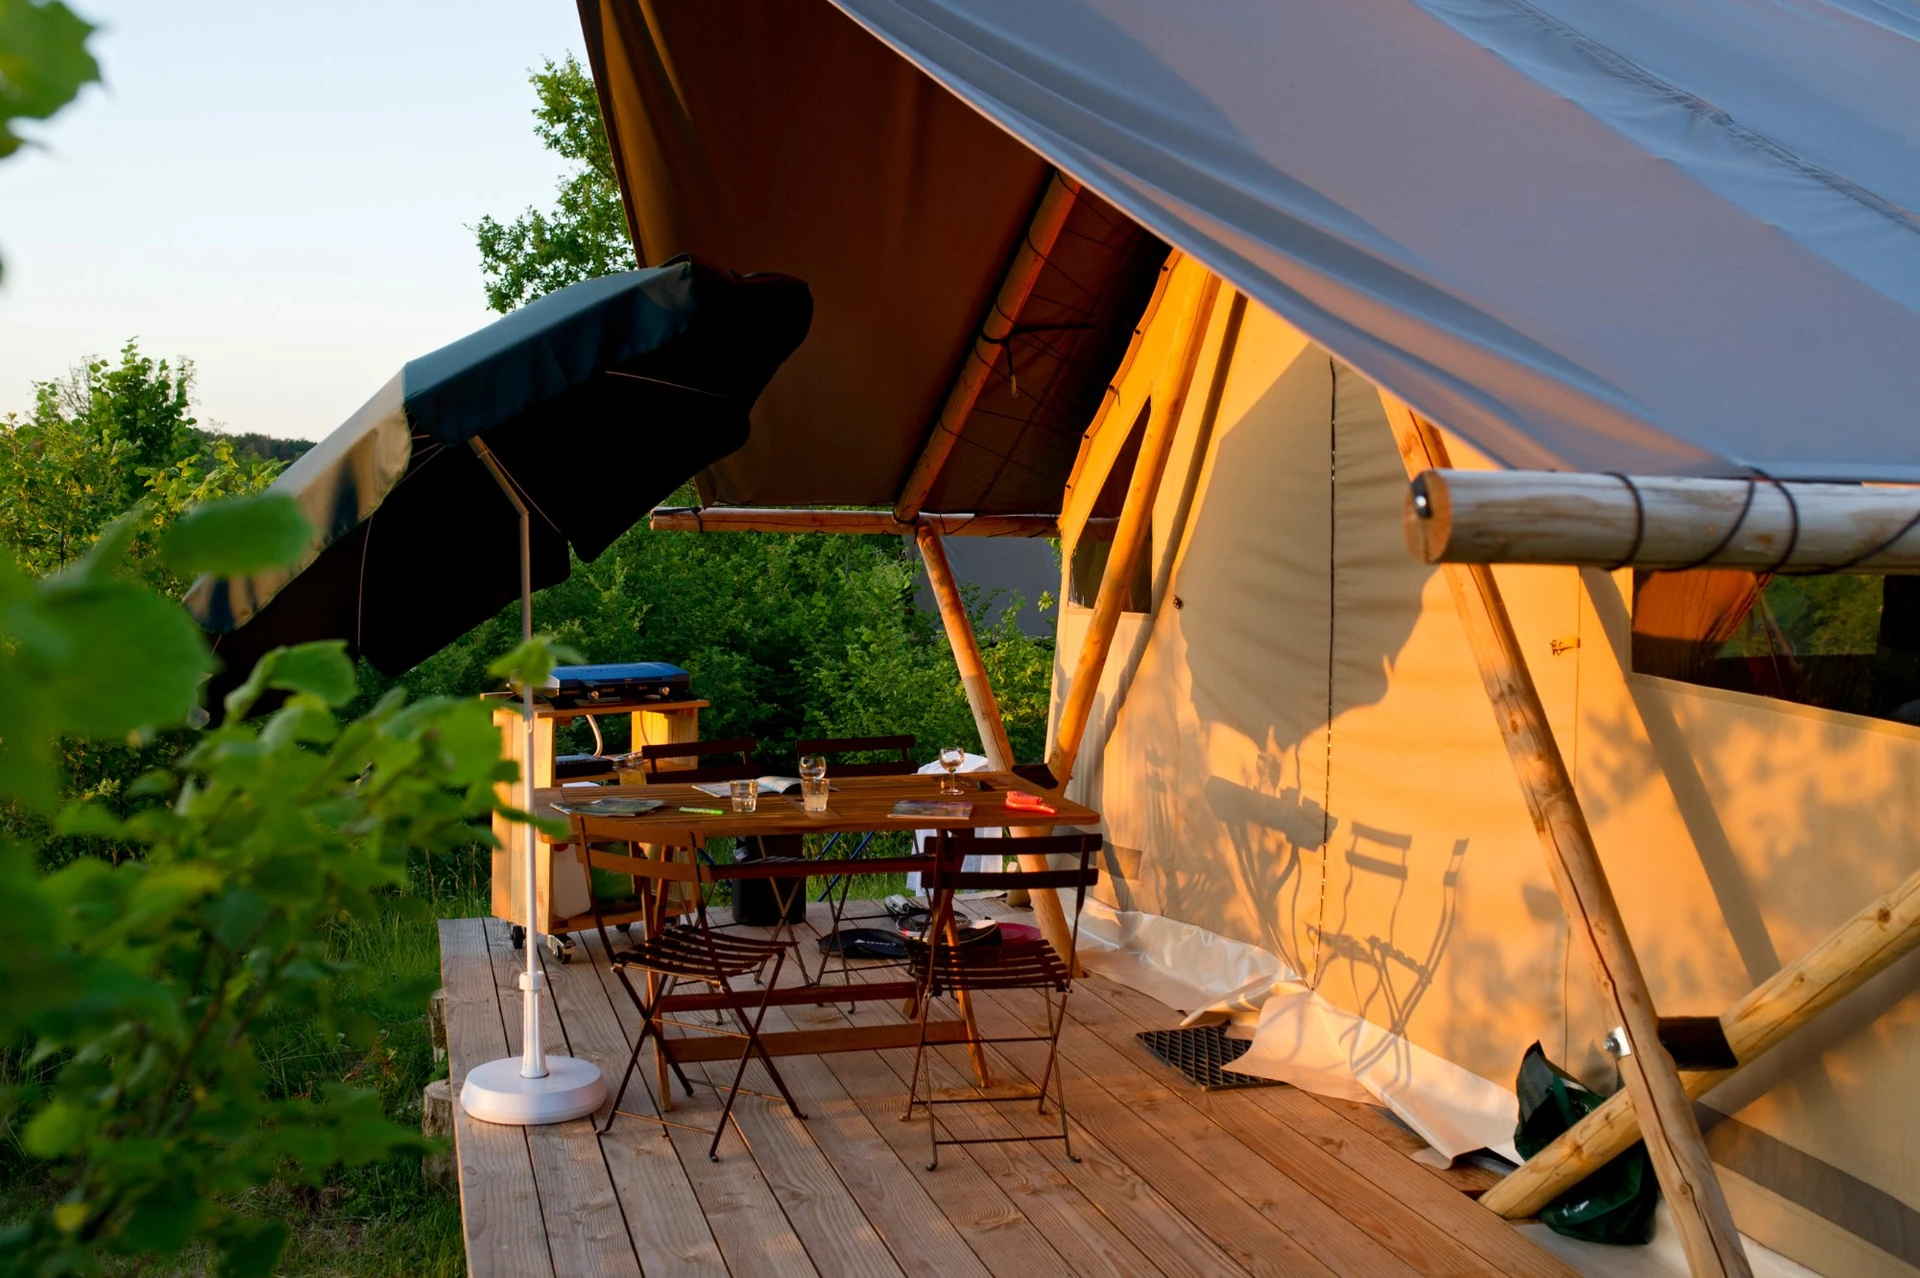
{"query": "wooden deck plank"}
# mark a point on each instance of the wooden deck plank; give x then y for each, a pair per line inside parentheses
(499, 1199)
(1253, 1241)
(1132, 1217)
(1298, 1191)
(994, 1225)
(1372, 1205)
(1322, 1231)
(1061, 1218)
(1410, 1184)
(669, 1231)
(1020, 1211)
(748, 1224)
(1175, 1181)
(918, 1234)
(586, 1230)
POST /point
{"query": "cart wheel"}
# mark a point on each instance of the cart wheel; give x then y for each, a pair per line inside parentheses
(561, 948)
(518, 935)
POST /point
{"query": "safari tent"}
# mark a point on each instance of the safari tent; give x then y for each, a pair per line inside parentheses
(1197, 292)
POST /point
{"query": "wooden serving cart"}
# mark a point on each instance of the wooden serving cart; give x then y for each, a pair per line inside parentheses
(560, 874)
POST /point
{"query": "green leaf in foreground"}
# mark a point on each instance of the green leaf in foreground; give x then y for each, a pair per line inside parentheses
(43, 62)
(242, 535)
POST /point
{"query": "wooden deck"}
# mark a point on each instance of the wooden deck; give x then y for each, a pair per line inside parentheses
(1268, 1181)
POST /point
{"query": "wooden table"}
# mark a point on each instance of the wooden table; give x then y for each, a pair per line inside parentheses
(855, 805)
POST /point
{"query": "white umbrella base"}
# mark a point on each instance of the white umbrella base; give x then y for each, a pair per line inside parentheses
(496, 1092)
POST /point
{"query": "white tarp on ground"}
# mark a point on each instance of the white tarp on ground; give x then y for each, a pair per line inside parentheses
(1638, 235)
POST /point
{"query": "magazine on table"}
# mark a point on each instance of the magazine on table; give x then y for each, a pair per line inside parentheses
(933, 809)
(609, 807)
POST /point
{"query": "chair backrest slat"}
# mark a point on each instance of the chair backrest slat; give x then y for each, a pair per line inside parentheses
(901, 766)
(651, 755)
(949, 848)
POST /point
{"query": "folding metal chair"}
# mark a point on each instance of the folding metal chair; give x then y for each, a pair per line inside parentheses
(680, 952)
(943, 966)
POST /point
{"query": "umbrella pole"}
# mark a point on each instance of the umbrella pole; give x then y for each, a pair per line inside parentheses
(537, 1088)
(533, 1059)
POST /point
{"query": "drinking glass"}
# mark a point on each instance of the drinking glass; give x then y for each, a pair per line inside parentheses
(745, 794)
(813, 767)
(951, 757)
(813, 794)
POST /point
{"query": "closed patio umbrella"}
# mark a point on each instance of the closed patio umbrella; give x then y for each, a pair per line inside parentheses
(465, 480)
(597, 401)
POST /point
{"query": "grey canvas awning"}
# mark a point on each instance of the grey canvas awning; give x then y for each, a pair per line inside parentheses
(1637, 236)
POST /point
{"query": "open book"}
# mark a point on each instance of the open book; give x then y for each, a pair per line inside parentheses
(768, 785)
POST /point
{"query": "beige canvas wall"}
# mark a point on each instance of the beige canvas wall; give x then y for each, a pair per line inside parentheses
(1294, 750)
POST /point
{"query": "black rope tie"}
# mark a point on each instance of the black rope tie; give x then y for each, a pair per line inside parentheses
(1639, 522)
(1793, 530)
(1753, 486)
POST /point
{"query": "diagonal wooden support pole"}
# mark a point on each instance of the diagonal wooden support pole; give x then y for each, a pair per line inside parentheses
(985, 706)
(1674, 1144)
(1863, 947)
(1136, 520)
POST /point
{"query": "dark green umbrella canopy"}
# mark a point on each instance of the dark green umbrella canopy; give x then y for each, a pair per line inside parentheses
(598, 401)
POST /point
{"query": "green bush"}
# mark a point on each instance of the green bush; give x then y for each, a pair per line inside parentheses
(139, 991)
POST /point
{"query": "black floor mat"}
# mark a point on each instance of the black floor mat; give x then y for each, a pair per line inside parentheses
(1202, 1054)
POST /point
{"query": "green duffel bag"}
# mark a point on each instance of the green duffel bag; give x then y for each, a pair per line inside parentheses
(1614, 1204)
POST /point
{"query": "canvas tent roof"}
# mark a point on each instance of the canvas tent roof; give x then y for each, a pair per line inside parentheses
(783, 135)
(1639, 236)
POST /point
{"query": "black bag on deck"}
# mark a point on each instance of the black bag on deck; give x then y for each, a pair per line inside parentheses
(1614, 1204)
(756, 902)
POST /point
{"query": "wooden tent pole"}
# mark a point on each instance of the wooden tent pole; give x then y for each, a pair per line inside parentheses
(1660, 522)
(762, 519)
(985, 707)
(1023, 272)
(1136, 520)
(1863, 947)
(1678, 1152)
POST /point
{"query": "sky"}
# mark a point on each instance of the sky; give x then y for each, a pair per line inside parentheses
(280, 192)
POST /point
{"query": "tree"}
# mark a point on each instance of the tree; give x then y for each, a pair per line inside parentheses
(99, 440)
(585, 234)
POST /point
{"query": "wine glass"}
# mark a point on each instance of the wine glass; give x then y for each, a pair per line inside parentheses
(813, 767)
(951, 757)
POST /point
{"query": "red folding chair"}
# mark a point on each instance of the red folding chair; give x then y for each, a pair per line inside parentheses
(943, 966)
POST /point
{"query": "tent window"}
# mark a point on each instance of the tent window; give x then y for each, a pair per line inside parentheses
(1091, 551)
(1841, 642)
(1089, 566)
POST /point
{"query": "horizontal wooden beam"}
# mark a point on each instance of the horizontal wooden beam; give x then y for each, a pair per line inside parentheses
(1863, 947)
(765, 520)
(1661, 522)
